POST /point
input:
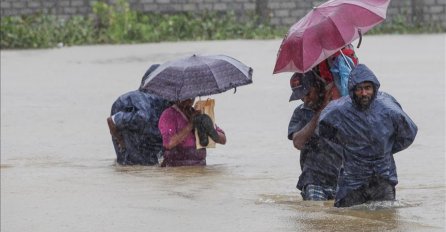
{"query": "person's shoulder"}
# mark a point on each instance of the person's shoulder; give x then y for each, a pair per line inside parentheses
(339, 104)
(170, 110)
(168, 114)
(387, 101)
(155, 99)
(384, 95)
(301, 109)
(336, 107)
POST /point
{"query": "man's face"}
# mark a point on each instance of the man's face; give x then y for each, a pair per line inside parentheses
(311, 100)
(364, 93)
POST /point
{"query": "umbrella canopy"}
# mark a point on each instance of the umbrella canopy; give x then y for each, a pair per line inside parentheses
(325, 30)
(196, 76)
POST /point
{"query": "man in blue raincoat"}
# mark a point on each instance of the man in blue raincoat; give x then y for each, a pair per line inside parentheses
(133, 125)
(368, 127)
(320, 166)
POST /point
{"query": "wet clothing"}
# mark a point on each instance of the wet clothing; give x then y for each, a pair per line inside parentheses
(171, 122)
(319, 165)
(368, 137)
(136, 116)
(376, 189)
(184, 156)
(317, 193)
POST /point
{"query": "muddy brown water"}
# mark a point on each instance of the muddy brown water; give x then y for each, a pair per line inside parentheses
(57, 163)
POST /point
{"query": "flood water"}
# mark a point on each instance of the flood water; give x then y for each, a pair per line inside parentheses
(58, 170)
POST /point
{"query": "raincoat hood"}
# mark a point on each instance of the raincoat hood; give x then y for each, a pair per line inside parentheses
(359, 74)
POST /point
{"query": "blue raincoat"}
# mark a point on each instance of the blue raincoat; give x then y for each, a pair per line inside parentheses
(136, 115)
(367, 138)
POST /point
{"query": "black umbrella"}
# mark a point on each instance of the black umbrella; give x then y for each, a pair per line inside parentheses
(196, 76)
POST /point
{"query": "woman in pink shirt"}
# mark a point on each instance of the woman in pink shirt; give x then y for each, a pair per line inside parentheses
(178, 134)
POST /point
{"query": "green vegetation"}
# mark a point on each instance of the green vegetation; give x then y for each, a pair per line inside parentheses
(401, 25)
(113, 24)
(44, 31)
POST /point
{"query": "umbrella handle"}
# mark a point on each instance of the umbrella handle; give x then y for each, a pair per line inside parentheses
(360, 38)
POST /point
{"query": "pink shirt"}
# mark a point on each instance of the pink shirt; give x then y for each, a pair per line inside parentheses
(171, 122)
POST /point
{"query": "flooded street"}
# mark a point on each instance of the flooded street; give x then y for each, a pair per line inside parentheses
(58, 170)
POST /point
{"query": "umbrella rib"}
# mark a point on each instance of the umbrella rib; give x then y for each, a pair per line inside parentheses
(209, 92)
(328, 18)
(233, 62)
(232, 84)
(213, 73)
(184, 77)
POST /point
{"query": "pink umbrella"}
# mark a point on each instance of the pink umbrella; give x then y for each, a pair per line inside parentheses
(325, 30)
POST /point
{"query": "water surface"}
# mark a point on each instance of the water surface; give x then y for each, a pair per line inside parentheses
(57, 163)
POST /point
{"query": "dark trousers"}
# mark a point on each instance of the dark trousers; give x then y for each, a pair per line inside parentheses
(377, 189)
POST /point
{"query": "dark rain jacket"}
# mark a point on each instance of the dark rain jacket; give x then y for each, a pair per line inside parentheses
(136, 116)
(319, 165)
(367, 138)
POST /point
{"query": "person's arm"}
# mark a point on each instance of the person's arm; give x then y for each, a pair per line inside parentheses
(405, 129)
(221, 136)
(303, 135)
(179, 137)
